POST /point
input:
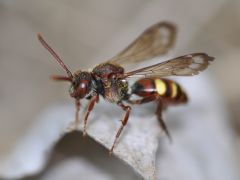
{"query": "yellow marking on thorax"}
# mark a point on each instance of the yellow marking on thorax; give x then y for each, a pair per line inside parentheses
(174, 90)
(160, 86)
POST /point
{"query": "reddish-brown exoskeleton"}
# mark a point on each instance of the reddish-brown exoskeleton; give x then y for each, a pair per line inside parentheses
(109, 79)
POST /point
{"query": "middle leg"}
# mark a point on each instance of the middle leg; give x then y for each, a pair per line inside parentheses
(124, 121)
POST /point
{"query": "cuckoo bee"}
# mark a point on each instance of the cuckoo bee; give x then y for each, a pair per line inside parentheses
(109, 78)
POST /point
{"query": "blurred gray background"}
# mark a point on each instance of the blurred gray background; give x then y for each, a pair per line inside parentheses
(87, 32)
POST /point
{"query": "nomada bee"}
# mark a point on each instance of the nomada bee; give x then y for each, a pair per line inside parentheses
(109, 78)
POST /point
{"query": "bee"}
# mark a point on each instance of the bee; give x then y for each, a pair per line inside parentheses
(109, 78)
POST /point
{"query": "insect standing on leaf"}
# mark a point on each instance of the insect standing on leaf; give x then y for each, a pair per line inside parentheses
(109, 79)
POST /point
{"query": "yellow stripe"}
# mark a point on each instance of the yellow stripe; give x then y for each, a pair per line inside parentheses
(174, 90)
(160, 86)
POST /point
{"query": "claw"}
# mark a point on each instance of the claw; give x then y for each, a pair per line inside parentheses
(84, 133)
(110, 153)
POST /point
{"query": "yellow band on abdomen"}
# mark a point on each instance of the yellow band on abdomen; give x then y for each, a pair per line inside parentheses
(160, 86)
(174, 90)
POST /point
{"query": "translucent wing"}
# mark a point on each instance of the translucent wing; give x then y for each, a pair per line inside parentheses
(187, 65)
(155, 41)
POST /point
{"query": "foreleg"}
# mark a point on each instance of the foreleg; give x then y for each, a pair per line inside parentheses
(93, 100)
(74, 125)
(60, 78)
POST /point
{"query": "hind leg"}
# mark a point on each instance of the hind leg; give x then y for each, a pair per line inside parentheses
(158, 112)
(144, 100)
(161, 121)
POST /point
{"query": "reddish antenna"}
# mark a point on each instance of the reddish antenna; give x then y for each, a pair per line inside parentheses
(45, 44)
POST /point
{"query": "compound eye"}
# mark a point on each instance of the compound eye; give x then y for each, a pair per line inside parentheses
(79, 90)
(83, 85)
(82, 89)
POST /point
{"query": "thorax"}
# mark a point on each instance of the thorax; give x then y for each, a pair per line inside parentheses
(109, 85)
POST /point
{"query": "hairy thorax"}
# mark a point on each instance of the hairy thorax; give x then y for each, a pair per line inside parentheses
(114, 88)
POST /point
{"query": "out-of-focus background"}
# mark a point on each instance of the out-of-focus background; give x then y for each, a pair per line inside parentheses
(85, 33)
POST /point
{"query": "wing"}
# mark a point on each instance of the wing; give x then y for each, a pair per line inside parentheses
(187, 65)
(155, 41)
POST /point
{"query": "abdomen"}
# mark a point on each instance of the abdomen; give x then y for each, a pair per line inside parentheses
(166, 89)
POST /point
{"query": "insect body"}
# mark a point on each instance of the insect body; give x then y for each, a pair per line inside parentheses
(109, 79)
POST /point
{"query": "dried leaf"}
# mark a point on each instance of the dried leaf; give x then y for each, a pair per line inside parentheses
(137, 145)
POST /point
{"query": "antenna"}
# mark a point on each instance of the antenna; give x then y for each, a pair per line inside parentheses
(45, 44)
